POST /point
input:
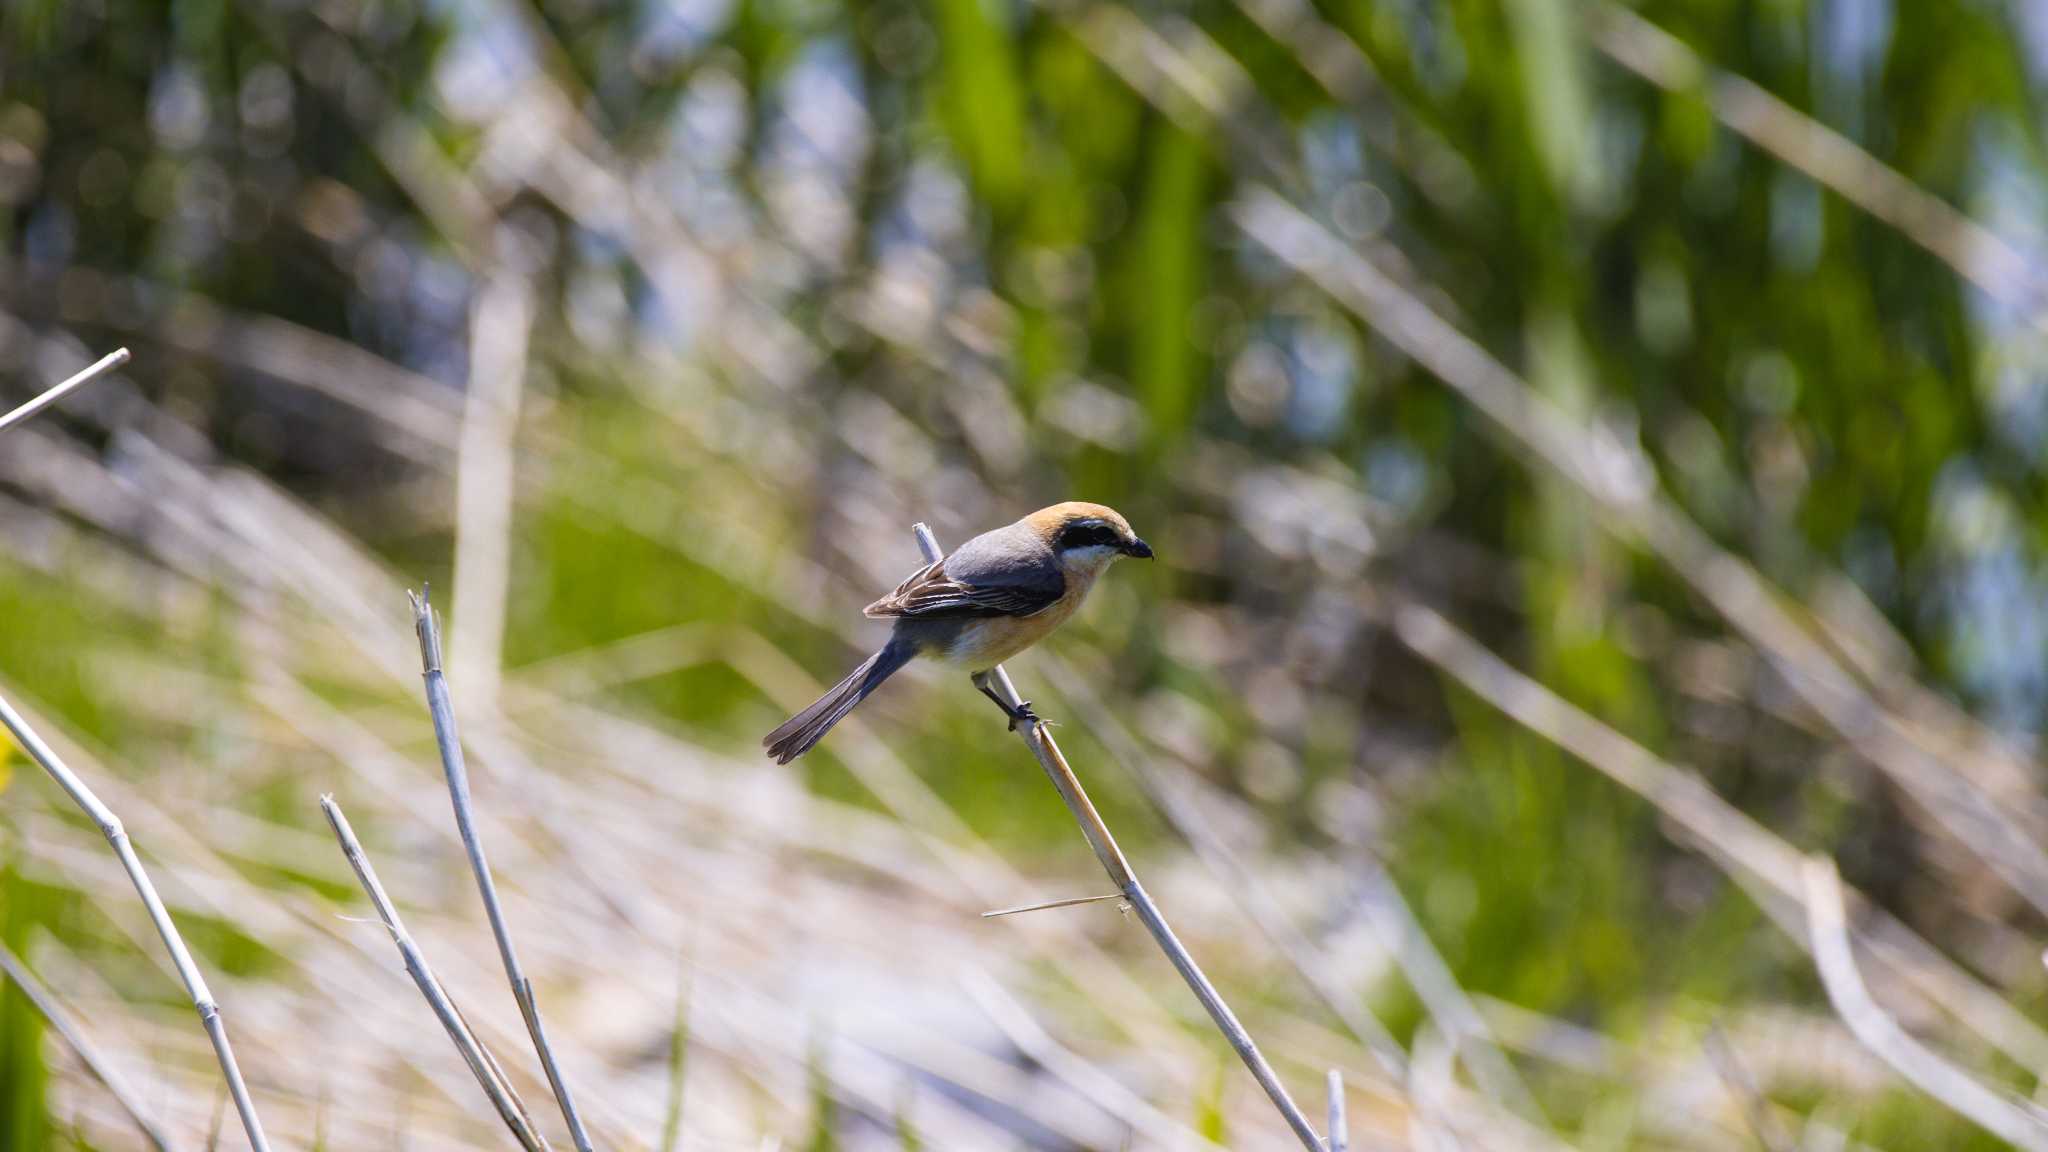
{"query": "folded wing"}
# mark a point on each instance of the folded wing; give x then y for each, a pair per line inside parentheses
(933, 593)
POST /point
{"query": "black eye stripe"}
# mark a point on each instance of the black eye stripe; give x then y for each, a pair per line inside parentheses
(1088, 534)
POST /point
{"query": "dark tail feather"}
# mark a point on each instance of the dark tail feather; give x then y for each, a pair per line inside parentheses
(809, 726)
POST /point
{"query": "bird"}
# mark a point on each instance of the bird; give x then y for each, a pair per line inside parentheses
(979, 605)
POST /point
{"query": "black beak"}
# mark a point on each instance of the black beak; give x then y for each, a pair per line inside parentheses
(1138, 548)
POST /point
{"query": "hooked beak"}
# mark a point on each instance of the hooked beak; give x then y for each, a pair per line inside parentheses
(1138, 548)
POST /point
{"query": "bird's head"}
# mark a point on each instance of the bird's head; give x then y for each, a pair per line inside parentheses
(1087, 537)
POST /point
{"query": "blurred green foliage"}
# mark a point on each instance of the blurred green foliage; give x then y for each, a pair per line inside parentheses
(24, 1117)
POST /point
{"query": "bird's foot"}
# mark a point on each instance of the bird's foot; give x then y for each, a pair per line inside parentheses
(1021, 714)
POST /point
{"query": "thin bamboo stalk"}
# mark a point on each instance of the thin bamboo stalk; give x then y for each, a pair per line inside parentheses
(188, 970)
(450, 742)
(1047, 750)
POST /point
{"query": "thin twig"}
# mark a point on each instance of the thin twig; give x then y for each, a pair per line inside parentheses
(46, 1005)
(1175, 799)
(450, 742)
(1995, 1110)
(1039, 739)
(1050, 904)
(488, 1074)
(98, 368)
(188, 971)
(984, 876)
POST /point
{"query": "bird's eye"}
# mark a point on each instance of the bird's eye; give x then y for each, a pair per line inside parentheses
(1088, 535)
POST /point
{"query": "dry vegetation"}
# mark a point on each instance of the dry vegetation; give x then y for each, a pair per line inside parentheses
(1484, 744)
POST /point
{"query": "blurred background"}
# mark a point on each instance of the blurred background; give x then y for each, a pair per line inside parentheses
(1597, 455)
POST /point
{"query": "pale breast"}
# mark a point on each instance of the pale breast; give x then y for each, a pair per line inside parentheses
(983, 644)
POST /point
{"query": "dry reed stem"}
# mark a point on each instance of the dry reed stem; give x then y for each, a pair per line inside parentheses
(1995, 1110)
(485, 480)
(188, 971)
(1340, 1128)
(1040, 741)
(488, 1074)
(1126, 1003)
(1173, 798)
(207, 885)
(445, 735)
(92, 372)
(53, 1013)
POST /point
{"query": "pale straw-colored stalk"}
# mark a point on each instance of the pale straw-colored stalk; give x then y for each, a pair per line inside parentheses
(481, 1063)
(1340, 1128)
(1039, 739)
(91, 372)
(442, 707)
(188, 970)
(2005, 1115)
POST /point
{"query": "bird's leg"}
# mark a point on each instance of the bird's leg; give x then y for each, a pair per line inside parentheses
(1018, 715)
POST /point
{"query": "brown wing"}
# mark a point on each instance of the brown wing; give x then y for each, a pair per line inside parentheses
(930, 593)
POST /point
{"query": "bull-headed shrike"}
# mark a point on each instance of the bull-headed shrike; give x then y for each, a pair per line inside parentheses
(991, 598)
